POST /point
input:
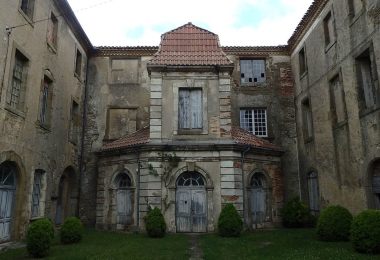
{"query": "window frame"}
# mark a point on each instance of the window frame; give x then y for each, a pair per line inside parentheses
(337, 96)
(190, 109)
(302, 61)
(15, 102)
(52, 32)
(78, 63)
(46, 100)
(28, 10)
(307, 120)
(74, 122)
(35, 211)
(258, 66)
(254, 112)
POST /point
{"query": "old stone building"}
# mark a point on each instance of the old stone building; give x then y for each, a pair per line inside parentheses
(104, 133)
(43, 72)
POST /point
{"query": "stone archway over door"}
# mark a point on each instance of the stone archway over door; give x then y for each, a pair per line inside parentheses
(7, 198)
(191, 203)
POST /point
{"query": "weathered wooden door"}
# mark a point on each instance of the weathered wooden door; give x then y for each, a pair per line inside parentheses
(312, 183)
(191, 210)
(7, 197)
(191, 203)
(124, 207)
(257, 205)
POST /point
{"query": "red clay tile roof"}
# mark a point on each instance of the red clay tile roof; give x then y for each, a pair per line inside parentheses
(190, 45)
(241, 136)
(142, 137)
(139, 137)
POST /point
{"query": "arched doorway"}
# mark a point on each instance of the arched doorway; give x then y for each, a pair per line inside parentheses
(191, 203)
(257, 198)
(67, 200)
(7, 199)
(124, 201)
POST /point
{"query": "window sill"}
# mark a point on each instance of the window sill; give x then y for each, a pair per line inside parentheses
(303, 74)
(52, 48)
(368, 110)
(44, 126)
(253, 84)
(14, 111)
(332, 43)
(308, 140)
(26, 17)
(353, 18)
(189, 132)
(340, 124)
(73, 142)
(32, 219)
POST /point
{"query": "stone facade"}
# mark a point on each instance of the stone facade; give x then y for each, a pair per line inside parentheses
(89, 131)
(41, 110)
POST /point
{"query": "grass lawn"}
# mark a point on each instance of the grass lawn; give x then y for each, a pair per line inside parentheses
(277, 244)
(106, 245)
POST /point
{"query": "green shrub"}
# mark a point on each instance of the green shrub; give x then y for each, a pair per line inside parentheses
(334, 224)
(39, 237)
(155, 223)
(230, 223)
(71, 231)
(365, 232)
(295, 214)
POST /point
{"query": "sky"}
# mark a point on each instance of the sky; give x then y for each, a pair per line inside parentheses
(142, 22)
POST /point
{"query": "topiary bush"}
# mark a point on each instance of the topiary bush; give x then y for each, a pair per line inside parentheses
(230, 223)
(334, 224)
(155, 223)
(71, 231)
(295, 214)
(365, 232)
(39, 237)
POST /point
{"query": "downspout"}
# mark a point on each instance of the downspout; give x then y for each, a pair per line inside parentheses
(243, 184)
(138, 192)
(83, 131)
(8, 32)
(299, 173)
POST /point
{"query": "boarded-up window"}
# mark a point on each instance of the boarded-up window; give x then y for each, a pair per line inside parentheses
(74, 122)
(338, 106)
(121, 121)
(366, 90)
(252, 70)
(190, 109)
(52, 31)
(302, 61)
(307, 120)
(78, 63)
(329, 29)
(312, 183)
(124, 71)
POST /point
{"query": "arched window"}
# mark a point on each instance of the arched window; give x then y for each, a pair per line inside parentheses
(376, 184)
(190, 179)
(124, 181)
(312, 182)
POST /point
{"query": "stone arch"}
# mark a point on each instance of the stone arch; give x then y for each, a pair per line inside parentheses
(365, 179)
(116, 174)
(21, 198)
(372, 184)
(259, 197)
(67, 199)
(206, 176)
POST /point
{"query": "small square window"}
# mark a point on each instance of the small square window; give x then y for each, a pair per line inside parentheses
(252, 71)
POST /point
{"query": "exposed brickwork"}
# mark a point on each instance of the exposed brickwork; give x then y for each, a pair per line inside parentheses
(276, 180)
(230, 198)
(237, 165)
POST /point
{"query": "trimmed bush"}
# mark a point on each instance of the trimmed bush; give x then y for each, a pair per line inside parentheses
(365, 232)
(71, 231)
(155, 223)
(39, 237)
(295, 214)
(334, 224)
(230, 223)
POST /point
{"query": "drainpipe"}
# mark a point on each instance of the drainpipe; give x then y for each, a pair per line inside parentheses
(138, 192)
(299, 173)
(83, 132)
(243, 183)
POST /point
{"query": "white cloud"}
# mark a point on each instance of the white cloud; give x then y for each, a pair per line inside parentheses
(108, 23)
